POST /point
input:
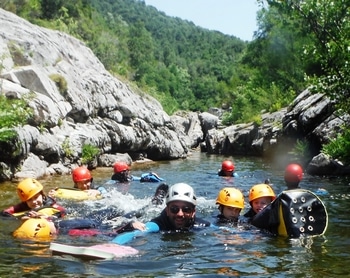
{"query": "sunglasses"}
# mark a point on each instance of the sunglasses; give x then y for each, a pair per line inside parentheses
(175, 209)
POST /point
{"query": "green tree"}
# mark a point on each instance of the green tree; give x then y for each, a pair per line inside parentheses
(276, 51)
(141, 48)
(328, 25)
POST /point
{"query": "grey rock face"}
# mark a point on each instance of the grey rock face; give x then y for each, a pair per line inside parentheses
(76, 101)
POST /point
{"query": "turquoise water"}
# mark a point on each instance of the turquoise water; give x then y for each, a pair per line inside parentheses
(206, 253)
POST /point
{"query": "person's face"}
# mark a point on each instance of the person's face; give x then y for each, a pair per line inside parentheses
(180, 214)
(125, 174)
(36, 201)
(83, 185)
(260, 203)
(231, 213)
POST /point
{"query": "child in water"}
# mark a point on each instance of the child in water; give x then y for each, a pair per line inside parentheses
(231, 202)
(260, 195)
(34, 203)
(83, 180)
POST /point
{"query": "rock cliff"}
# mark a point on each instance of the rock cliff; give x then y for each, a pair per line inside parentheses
(75, 102)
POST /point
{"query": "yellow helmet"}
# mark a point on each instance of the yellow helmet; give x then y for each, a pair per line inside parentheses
(27, 188)
(33, 228)
(230, 197)
(261, 190)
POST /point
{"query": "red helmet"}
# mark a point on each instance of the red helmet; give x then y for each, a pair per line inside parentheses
(81, 174)
(228, 166)
(293, 173)
(120, 167)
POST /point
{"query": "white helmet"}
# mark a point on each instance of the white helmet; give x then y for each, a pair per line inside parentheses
(181, 192)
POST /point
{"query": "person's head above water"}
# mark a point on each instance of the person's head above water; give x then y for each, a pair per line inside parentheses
(231, 202)
(121, 171)
(227, 168)
(31, 191)
(82, 178)
(293, 174)
(261, 195)
(181, 204)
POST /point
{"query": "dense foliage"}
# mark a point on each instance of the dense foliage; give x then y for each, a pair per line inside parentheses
(326, 24)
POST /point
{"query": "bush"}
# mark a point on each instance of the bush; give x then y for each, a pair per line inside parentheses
(61, 83)
(89, 153)
(339, 148)
(13, 113)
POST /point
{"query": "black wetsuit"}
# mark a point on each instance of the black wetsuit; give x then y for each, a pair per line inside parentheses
(165, 225)
(250, 213)
(221, 220)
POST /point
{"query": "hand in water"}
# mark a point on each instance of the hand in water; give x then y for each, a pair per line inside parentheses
(33, 214)
(52, 193)
(139, 226)
(93, 192)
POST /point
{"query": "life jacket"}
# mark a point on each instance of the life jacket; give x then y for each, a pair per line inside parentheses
(293, 213)
(75, 194)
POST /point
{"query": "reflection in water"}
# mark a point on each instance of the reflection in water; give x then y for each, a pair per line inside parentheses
(208, 252)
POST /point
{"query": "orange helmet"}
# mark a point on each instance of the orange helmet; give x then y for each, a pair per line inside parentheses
(120, 167)
(28, 188)
(81, 174)
(228, 166)
(261, 190)
(230, 197)
(33, 228)
(293, 173)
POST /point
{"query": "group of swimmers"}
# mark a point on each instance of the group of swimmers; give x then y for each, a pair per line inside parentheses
(39, 211)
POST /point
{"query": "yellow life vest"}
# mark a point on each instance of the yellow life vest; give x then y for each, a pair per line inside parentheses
(75, 194)
(49, 211)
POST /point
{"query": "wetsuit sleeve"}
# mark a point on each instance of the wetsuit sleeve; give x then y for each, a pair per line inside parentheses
(133, 178)
(10, 211)
(61, 211)
(7, 212)
(126, 228)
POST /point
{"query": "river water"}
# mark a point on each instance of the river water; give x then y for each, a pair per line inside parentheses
(206, 253)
